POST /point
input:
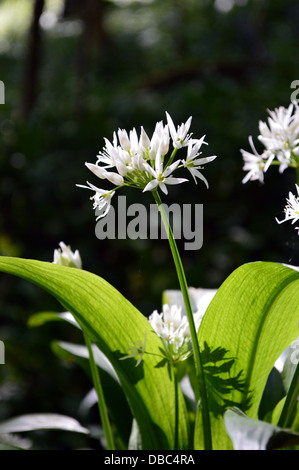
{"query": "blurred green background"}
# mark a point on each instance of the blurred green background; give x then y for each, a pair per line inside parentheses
(76, 71)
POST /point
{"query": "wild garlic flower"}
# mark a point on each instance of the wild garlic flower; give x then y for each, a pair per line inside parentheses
(255, 164)
(280, 137)
(144, 163)
(101, 199)
(161, 176)
(194, 164)
(292, 208)
(173, 328)
(179, 136)
(66, 257)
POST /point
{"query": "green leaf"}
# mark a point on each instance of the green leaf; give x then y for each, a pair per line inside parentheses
(40, 318)
(114, 324)
(254, 317)
(81, 351)
(36, 421)
(252, 434)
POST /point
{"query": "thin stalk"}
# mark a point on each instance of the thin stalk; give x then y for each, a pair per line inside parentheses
(202, 391)
(171, 158)
(291, 401)
(99, 391)
(176, 402)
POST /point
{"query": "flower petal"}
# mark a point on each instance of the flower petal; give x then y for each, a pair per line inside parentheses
(151, 185)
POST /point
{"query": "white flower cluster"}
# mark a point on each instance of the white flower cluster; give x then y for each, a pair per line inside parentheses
(173, 328)
(292, 208)
(66, 257)
(280, 137)
(142, 162)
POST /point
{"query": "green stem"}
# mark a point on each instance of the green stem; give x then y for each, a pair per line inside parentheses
(171, 158)
(202, 391)
(176, 399)
(99, 391)
(285, 419)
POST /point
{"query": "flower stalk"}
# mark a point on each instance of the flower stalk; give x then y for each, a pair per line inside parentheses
(201, 385)
(100, 394)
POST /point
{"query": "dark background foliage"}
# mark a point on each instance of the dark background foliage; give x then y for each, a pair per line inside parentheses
(76, 71)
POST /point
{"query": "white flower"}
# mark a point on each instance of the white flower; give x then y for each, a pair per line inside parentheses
(194, 165)
(143, 162)
(256, 164)
(169, 325)
(102, 173)
(173, 328)
(180, 136)
(162, 177)
(66, 257)
(280, 137)
(282, 131)
(101, 199)
(159, 141)
(292, 208)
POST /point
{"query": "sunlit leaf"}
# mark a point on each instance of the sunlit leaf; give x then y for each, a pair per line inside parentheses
(254, 316)
(36, 421)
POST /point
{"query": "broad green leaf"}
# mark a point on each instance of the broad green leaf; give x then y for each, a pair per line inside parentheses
(254, 317)
(114, 324)
(252, 434)
(36, 421)
(40, 318)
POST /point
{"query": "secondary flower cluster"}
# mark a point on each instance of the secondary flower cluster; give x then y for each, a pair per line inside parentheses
(66, 257)
(142, 162)
(173, 328)
(292, 208)
(280, 137)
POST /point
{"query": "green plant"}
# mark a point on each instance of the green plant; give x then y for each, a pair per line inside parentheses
(227, 359)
